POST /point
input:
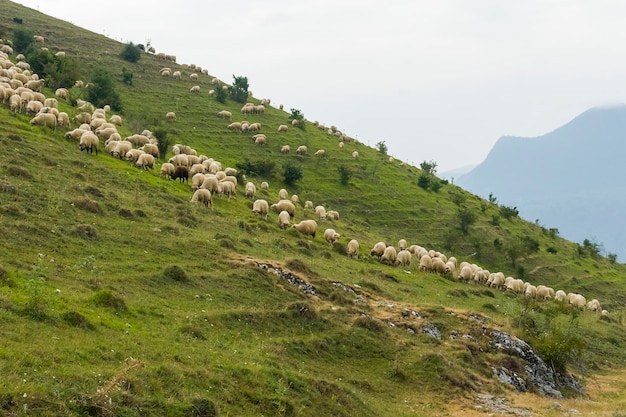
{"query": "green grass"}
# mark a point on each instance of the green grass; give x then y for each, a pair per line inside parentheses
(119, 297)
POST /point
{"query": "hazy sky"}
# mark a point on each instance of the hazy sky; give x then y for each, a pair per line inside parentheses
(436, 80)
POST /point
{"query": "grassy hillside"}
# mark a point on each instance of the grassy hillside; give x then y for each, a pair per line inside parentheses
(120, 297)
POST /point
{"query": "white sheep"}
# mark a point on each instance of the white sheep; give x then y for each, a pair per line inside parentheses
(389, 255)
(308, 205)
(332, 215)
(355, 155)
(202, 195)
(283, 128)
(285, 149)
(75, 134)
(228, 188)
(167, 169)
(426, 263)
(320, 212)
(170, 115)
(89, 142)
(402, 244)
(378, 249)
(44, 119)
(224, 114)
(133, 154)
(404, 257)
(195, 89)
(283, 219)
(212, 184)
(302, 150)
(353, 249)
(594, 305)
(285, 205)
(576, 300)
(331, 236)
(544, 293)
(250, 190)
(306, 227)
(320, 153)
(265, 185)
(560, 296)
(121, 149)
(62, 93)
(260, 207)
(283, 194)
(145, 161)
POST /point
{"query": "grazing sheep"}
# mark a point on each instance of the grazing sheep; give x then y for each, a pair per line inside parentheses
(145, 161)
(170, 115)
(302, 150)
(116, 119)
(285, 205)
(404, 258)
(530, 291)
(355, 155)
(320, 153)
(89, 142)
(121, 149)
(196, 169)
(332, 215)
(250, 190)
(283, 194)
(285, 149)
(62, 93)
(224, 114)
(295, 199)
(228, 188)
(137, 139)
(260, 139)
(438, 266)
(212, 184)
(378, 249)
(353, 249)
(560, 296)
(44, 119)
(576, 300)
(265, 185)
(320, 212)
(402, 244)
(260, 207)
(195, 89)
(544, 293)
(306, 227)
(133, 154)
(152, 149)
(181, 173)
(202, 195)
(283, 219)
(283, 129)
(594, 305)
(75, 134)
(426, 263)
(331, 236)
(180, 159)
(389, 255)
(308, 205)
(167, 170)
(236, 126)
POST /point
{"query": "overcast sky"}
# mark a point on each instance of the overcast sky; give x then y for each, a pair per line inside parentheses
(436, 80)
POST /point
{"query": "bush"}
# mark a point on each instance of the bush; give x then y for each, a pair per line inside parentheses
(175, 273)
(22, 40)
(239, 89)
(57, 71)
(220, 94)
(382, 147)
(260, 168)
(344, 174)
(508, 212)
(130, 53)
(101, 90)
(105, 298)
(424, 181)
(163, 142)
(291, 174)
(127, 76)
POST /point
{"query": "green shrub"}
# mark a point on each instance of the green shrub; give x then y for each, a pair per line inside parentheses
(508, 212)
(127, 76)
(22, 40)
(291, 174)
(101, 90)
(105, 298)
(130, 53)
(344, 174)
(175, 273)
(239, 89)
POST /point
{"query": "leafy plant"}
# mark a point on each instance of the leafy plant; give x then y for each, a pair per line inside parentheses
(382, 147)
(239, 89)
(508, 212)
(291, 174)
(344, 174)
(127, 76)
(429, 167)
(130, 53)
(101, 90)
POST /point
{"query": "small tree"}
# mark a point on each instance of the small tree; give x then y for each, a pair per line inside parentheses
(466, 219)
(424, 181)
(130, 53)
(344, 174)
(220, 94)
(382, 147)
(163, 142)
(101, 90)
(22, 40)
(299, 116)
(429, 167)
(127, 76)
(239, 89)
(291, 174)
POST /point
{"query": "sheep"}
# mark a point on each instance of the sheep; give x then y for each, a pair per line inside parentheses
(285, 149)
(594, 305)
(211, 93)
(285, 205)
(265, 185)
(355, 155)
(145, 161)
(180, 159)
(320, 211)
(353, 249)
(33, 107)
(331, 236)
(15, 103)
(202, 195)
(260, 207)
(576, 300)
(75, 134)
(403, 258)
(497, 281)
(438, 266)
(295, 199)
(389, 255)
(544, 293)
(604, 313)
(224, 114)
(228, 188)
(89, 142)
(308, 205)
(195, 89)
(378, 249)
(116, 119)
(320, 153)
(170, 115)
(152, 149)
(82, 117)
(212, 184)
(193, 76)
(283, 219)
(176, 75)
(51, 102)
(402, 244)
(560, 296)
(306, 227)
(302, 150)
(133, 154)
(283, 194)
(181, 173)
(63, 119)
(229, 178)
(530, 290)
(62, 93)
(332, 215)
(167, 170)
(44, 119)
(466, 273)
(236, 126)
(341, 145)
(121, 149)
(137, 139)
(260, 139)
(514, 285)
(106, 132)
(250, 190)
(197, 169)
(282, 128)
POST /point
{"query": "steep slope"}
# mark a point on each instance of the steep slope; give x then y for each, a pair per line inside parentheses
(570, 179)
(119, 297)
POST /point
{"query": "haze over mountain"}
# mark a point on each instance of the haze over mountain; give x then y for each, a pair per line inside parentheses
(571, 179)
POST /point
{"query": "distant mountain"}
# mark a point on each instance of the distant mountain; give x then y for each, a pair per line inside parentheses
(572, 178)
(452, 174)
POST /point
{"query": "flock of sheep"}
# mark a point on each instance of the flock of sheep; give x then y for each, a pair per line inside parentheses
(21, 89)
